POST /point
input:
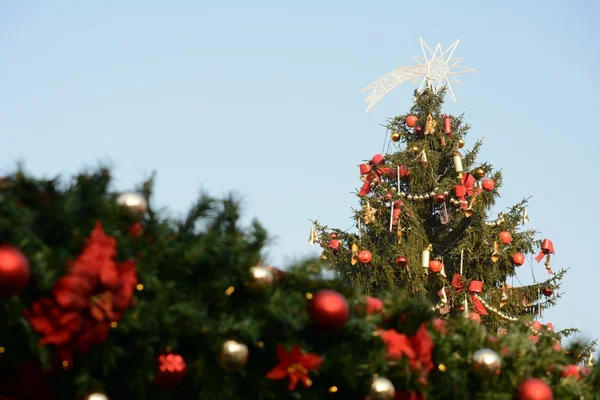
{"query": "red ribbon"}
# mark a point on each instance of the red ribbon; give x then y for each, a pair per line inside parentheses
(375, 173)
(474, 287)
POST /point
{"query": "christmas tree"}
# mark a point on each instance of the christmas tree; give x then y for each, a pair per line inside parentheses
(103, 297)
(424, 224)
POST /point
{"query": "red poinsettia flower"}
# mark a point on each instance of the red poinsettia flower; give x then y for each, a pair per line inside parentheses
(398, 344)
(418, 348)
(423, 346)
(294, 365)
(83, 304)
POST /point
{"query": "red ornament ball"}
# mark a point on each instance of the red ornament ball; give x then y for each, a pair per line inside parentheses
(14, 271)
(171, 370)
(505, 237)
(333, 235)
(373, 305)
(518, 259)
(329, 310)
(534, 389)
(365, 256)
(488, 185)
(475, 317)
(440, 198)
(572, 370)
(411, 120)
(435, 266)
(401, 261)
(418, 130)
(547, 292)
(335, 244)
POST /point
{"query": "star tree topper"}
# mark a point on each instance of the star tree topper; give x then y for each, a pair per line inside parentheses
(435, 70)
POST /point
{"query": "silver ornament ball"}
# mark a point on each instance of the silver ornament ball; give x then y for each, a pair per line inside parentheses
(233, 356)
(134, 203)
(487, 362)
(382, 389)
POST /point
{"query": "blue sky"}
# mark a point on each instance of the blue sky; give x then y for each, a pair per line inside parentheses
(264, 98)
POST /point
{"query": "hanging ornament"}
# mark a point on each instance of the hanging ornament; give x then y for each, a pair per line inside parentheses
(323, 256)
(395, 136)
(261, 279)
(505, 237)
(534, 389)
(171, 370)
(458, 165)
(504, 297)
(479, 173)
(444, 215)
(329, 310)
(487, 185)
(496, 253)
(418, 130)
(402, 262)
(369, 213)
(314, 236)
(486, 363)
(355, 256)
(14, 271)
(423, 158)
(443, 271)
(425, 256)
(334, 245)
(414, 150)
(381, 389)
(440, 198)
(460, 144)
(365, 256)
(518, 259)
(435, 266)
(547, 292)
(233, 356)
(135, 204)
(411, 121)
(524, 217)
(547, 248)
(447, 125)
(430, 125)
(470, 210)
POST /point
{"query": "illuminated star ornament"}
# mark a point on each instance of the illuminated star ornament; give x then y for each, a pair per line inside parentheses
(436, 69)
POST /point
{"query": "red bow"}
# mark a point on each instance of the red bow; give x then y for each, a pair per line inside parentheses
(374, 171)
(474, 289)
(466, 189)
(547, 248)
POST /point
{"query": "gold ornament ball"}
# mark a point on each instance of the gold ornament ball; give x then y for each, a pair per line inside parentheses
(479, 173)
(487, 362)
(414, 150)
(233, 356)
(395, 137)
(323, 256)
(461, 143)
(262, 278)
(134, 203)
(382, 389)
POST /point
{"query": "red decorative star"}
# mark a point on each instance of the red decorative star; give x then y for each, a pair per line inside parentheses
(294, 365)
